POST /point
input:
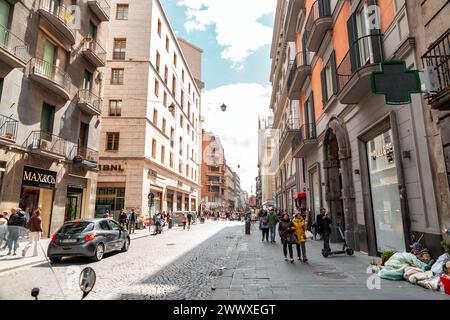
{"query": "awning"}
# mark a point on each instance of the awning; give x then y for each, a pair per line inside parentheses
(299, 195)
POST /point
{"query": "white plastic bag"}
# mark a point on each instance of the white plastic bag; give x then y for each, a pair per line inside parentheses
(309, 234)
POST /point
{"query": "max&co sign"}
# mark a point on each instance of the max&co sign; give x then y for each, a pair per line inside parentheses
(39, 177)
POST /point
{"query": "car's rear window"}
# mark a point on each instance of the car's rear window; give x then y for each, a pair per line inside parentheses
(76, 227)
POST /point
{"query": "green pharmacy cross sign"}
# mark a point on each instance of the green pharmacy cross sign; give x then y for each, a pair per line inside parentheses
(396, 82)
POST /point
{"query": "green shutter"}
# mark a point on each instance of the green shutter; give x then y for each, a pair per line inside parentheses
(334, 72)
(323, 77)
(49, 58)
(4, 19)
(47, 118)
(353, 43)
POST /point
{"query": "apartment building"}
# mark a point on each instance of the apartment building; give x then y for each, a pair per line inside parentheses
(230, 188)
(365, 161)
(267, 162)
(213, 170)
(150, 141)
(50, 107)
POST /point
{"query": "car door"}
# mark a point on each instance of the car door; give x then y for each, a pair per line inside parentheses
(108, 236)
(116, 234)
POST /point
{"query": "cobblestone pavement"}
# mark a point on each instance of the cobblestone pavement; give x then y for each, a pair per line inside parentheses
(215, 260)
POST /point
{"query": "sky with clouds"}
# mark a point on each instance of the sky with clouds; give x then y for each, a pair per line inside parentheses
(235, 69)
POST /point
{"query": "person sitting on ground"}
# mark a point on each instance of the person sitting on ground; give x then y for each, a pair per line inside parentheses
(421, 253)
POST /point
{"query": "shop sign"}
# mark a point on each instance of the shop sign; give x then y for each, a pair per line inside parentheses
(110, 167)
(386, 150)
(39, 177)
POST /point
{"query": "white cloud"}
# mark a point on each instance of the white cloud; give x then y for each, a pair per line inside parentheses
(236, 22)
(238, 125)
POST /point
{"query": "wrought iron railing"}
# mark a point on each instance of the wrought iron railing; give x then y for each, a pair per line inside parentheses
(291, 124)
(83, 153)
(307, 132)
(96, 48)
(302, 59)
(438, 57)
(44, 141)
(361, 53)
(51, 72)
(86, 96)
(104, 5)
(319, 9)
(13, 44)
(55, 8)
(8, 128)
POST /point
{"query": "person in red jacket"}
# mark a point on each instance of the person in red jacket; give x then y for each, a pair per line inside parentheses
(35, 227)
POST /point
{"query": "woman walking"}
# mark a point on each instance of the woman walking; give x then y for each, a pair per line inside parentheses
(35, 227)
(300, 229)
(264, 226)
(286, 233)
(123, 218)
(183, 221)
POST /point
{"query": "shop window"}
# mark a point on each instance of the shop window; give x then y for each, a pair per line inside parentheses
(112, 199)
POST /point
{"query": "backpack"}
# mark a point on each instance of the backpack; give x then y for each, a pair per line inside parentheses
(19, 221)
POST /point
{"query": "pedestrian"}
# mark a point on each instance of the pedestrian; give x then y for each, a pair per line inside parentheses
(3, 227)
(300, 229)
(169, 219)
(189, 220)
(12, 212)
(16, 226)
(319, 222)
(264, 226)
(325, 224)
(106, 214)
(272, 221)
(35, 227)
(123, 218)
(286, 232)
(183, 220)
(132, 220)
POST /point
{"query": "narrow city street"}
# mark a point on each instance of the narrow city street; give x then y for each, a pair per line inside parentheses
(215, 260)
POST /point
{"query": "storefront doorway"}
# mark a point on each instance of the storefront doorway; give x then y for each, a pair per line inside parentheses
(74, 203)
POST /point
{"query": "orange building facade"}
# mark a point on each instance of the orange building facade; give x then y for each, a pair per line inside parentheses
(366, 162)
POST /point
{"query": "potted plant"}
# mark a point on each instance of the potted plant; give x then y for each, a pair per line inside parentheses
(386, 255)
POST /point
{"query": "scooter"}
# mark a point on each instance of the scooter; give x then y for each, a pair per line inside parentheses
(345, 248)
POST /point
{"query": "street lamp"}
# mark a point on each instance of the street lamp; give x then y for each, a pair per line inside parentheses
(171, 107)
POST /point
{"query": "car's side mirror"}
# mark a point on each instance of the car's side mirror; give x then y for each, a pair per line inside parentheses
(87, 281)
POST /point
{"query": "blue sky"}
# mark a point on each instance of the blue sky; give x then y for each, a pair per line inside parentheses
(235, 70)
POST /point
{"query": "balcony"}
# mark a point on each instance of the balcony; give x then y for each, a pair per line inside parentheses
(60, 17)
(304, 141)
(13, 50)
(300, 69)
(89, 102)
(51, 77)
(47, 145)
(318, 23)
(290, 21)
(85, 157)
(101, 8)
(94, 53)
(356, 68)
(438, 58)
(287, 133)
(8, 130)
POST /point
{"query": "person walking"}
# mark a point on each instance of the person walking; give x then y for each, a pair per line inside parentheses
(319, 222)
(123, 218)
(285, 230)
(272, 221)
(12, 212)
(3, 227)
(35, 227)
(132, 220)
(16, 224)
(183, 220)
(264, 226)
(169, 219)
(189, 220)
(300, 229)
(326, 228)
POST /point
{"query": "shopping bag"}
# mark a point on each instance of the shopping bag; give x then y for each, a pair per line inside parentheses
(309, 235)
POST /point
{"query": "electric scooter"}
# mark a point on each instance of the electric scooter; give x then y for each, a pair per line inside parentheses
(345, 248)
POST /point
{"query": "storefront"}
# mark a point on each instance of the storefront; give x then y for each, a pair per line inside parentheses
(74, 203)
(384, 190)
(169, 200)
(315, 199)
(37, 191)
(111, 199)
(157, 203)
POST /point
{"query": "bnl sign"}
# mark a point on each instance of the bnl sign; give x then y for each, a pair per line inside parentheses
(395, 82)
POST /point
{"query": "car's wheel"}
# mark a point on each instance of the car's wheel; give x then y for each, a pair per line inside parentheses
(55, 259)
(99, 252)
(126, 245)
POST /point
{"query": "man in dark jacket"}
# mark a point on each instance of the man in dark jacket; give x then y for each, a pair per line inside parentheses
(132, 219)
(16, 225)
(326, 228)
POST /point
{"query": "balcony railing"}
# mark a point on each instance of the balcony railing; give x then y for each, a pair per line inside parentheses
(8, 128)
(61, 17)
(300, 67)
(438, 57)
(101, 8)
(354, 71)
(51, 72)
(320, 9)
(14, 45)
(47, 143)
(290, 19)
(90, 102)
(306, 137)
(292, 124)
(95, 52)
(81, 154)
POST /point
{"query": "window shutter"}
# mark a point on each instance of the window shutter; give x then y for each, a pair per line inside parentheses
(312, 125)
(323, 77)
(324, 8)
(352, 41)
(334, 72)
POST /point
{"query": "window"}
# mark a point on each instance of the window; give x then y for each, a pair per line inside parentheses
(156, 88)
(166, 74)
(165, 99)
(182, 75)
(167, 43)
(187, 170)
(189, 87)
(181, 121)
(159, 27)
(158, 60)
(163, 154)
(329, 79)
(180, 168)
(189, 110)
(122, 11)
(175, 59)
(164, 125)
(172, 136)
(115, 108)
(47, 118)
(119, 49)
(112, 141)
(181, 146)
(153, 148)
(117, 76)
(174, 85)
(182, 99)
(171, 159)
(155, 117)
